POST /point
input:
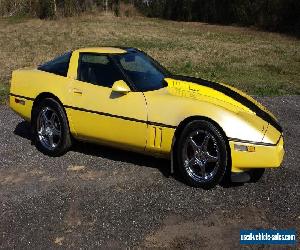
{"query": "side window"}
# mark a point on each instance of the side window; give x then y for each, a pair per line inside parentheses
(98, 70)
(58, 66)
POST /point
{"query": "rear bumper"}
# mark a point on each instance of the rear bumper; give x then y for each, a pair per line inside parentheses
(21, 105)
(261, 156)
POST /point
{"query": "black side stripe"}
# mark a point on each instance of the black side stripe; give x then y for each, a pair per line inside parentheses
(105, 114)
(161, 125)
(23, 97)
(120, 117)
(254, 143)
(234, 95)
(146, 122)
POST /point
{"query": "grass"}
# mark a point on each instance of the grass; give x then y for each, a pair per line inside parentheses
(259, 63)
(4, 88)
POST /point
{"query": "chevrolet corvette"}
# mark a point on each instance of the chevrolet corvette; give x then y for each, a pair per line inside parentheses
(124, 98)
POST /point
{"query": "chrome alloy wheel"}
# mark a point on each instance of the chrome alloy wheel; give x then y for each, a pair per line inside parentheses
(49, 128)
(201, 155)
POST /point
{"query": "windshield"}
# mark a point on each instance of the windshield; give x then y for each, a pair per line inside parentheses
(142, 71)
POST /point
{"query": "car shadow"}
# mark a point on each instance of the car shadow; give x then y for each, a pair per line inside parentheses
(123, 156)
(23, 130)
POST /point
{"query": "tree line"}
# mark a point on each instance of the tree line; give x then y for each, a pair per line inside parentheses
(50, 8)
(276, 15)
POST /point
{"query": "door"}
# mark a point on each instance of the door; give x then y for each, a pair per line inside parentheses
(98, 113)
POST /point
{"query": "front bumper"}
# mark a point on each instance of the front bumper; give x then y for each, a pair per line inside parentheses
(262, 156)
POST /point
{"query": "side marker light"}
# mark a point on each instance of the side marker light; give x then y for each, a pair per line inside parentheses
(244, 148)
(19, 101)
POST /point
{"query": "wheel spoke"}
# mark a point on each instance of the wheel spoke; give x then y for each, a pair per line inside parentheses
(193, 144)
(42, 131)
(202, 167)
(211, 158)
(191, 162)
(53, 117)
(50, 137)
(205, 142)
(56, 131)
(45, 118)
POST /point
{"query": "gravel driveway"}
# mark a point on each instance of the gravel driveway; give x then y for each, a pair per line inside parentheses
(101, 197)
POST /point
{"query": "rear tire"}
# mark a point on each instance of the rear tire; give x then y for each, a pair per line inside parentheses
(201, 154)
(50, 128)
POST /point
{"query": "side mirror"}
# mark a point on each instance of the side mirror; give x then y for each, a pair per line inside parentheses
(120, 87)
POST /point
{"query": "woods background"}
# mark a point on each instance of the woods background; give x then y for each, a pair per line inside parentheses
(274, 15)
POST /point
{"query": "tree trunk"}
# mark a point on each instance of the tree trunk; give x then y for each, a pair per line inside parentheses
(54, 8)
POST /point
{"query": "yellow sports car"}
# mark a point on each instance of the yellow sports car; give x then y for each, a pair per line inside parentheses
(124, 98)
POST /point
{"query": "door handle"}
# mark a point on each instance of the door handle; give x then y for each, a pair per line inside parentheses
(77, 91)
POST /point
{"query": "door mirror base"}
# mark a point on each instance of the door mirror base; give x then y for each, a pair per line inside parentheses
(121, 87)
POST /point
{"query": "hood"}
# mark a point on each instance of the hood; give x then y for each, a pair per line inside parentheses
(192, 87)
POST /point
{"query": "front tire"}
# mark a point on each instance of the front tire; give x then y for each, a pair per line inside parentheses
(201, 154)
(50, 128)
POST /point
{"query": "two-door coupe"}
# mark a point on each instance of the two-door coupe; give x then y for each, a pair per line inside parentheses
(124, 98)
